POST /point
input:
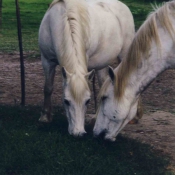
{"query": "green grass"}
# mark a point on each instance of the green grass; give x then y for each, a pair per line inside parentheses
(32, 13)
(139, 9)
(27, 148)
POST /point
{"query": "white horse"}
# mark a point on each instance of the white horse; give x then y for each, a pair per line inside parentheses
(81, 35)
(151, 52)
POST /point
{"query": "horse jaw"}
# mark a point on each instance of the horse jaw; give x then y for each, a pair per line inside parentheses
(75, 115)
(112, 114)
(75, 112)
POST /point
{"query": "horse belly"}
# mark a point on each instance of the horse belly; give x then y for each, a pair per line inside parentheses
(102, 59)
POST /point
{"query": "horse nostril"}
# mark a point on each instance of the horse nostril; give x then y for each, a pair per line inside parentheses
(114, 117)
(95, 135)
(109, 138)
(101, 134)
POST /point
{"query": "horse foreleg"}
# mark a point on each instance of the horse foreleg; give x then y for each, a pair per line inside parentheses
(46, 114)
(101, 76)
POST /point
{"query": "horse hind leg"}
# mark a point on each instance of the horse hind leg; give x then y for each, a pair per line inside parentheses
(139, 113)
(49, 71)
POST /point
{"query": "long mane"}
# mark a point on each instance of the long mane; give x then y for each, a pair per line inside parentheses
(75, 39)
(75, 34)
(141, 45)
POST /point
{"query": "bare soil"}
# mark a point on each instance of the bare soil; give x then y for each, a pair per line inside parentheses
(157, 127)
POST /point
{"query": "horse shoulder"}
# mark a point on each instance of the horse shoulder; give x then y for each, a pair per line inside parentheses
(50, 29)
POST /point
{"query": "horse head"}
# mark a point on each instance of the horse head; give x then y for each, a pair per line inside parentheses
(76, 97)
(113, 113)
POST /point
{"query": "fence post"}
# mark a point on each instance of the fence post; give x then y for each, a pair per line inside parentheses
(0, 14)
(21, 54)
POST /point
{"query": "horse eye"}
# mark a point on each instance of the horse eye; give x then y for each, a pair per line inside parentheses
(67, 102)
(103, 98)
(87, 102)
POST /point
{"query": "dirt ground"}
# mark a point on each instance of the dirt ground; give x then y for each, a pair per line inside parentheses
(157, 127)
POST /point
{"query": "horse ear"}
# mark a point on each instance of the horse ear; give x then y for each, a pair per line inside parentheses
(90, 75)
(111, 73)
(65, 73)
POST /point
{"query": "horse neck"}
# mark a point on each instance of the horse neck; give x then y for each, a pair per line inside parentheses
(73, 56)
(144, 74)
(75, 36)
(156, 53)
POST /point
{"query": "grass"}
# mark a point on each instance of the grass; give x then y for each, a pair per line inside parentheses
(32, 13)
(28, 148)
(139, 9)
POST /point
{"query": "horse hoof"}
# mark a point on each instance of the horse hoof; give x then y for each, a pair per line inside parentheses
(44, 119)
(134, 121)
(82, 134)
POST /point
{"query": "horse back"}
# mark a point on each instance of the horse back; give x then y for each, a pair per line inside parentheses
(111, 29)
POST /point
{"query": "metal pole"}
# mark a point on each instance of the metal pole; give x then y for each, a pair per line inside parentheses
(0, 14)
(21, 54)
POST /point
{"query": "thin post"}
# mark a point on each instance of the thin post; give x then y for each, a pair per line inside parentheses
(0, 14)
(21, 54)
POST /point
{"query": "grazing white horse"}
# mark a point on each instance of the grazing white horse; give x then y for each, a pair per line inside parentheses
(81, 36)
(151, 52)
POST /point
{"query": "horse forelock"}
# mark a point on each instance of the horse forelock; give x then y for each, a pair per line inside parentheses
(78, 87)
(141, 44)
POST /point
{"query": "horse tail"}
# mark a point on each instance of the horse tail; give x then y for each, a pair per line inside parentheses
(76, 32)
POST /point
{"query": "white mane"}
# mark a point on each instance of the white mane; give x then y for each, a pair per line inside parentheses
(75, 39)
